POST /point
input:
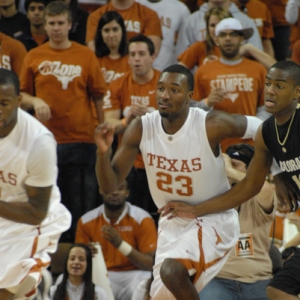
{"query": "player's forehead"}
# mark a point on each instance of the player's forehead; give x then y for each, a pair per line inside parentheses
(280, 75)
(173, 78)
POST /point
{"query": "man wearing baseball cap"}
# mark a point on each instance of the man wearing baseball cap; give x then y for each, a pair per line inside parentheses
(232, 83)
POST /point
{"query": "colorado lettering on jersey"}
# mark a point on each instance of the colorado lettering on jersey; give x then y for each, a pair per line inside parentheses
(5, 62)
(63, 72)
(291, 165)
(9, 178)
(140, 100)
(132, 26)
(110, 75)
(174, 165)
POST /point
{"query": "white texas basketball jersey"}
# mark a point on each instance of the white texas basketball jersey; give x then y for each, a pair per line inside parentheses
(181, 166)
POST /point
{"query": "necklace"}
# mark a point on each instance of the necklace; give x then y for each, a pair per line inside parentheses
(287, 134)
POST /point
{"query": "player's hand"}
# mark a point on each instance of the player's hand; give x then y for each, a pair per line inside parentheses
(178, 209)
(104, 136)
(215, 96)
(41, 109)
(138, 109)
(287, 194)
(112, 235)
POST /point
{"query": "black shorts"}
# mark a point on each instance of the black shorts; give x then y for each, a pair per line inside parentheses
(287, 279)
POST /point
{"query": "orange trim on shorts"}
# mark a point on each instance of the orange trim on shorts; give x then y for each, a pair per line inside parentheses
(200, 266)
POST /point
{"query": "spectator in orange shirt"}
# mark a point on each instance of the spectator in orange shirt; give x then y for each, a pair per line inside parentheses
(127, 235)
(138, 19)
(111, 46)
(130, 96)
(261, 15)
(12, 53)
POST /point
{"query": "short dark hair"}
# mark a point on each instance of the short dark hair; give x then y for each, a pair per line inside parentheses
(56, 8)
(246, 152)
(9, 77)
(180, 69)
(291, 67)
(142, 39)
(101, 47)
(28, 2)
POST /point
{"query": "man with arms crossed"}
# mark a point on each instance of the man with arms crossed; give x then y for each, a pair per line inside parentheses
(31, 216)
(196, 249)
(277, 137)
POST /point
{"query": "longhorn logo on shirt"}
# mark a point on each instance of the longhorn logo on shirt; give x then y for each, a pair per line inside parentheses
(63, 72)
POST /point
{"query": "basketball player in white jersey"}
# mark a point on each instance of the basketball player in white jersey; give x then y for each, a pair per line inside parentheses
(183, 160)
(31, 216)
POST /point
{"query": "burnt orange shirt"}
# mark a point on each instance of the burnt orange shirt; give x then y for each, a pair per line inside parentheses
(196, 55)
(243, 84)
(260, 13)
(277, 9)
(66, 79)
(12, 53)
(138, 19)
(124, 91)
(113, 68)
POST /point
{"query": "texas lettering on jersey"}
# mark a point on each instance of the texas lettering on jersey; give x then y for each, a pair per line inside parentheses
(132, 26)
(5, 62)
(232, 84)
(63, 72)
(9, 178)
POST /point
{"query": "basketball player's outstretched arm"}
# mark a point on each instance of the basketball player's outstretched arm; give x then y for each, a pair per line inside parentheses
(217, 129)
(111, 174)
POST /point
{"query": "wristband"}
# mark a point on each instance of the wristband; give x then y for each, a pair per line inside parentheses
(252, 125)
(125, 248)
(124, 122)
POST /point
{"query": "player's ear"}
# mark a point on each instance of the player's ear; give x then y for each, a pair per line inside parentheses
(297, 92)
(190, 95)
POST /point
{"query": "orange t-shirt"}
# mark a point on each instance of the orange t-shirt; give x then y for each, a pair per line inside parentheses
(296, 52)
(66, 79)
(12, 53)
(138, 19)
(260, 13)
(277, 9)
(196, 55)
(124, 91)
(243, 84)
(295, 33)
(135, 226)
(113, 68)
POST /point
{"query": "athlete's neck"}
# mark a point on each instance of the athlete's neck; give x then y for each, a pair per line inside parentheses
(122, 4)
(113, 215)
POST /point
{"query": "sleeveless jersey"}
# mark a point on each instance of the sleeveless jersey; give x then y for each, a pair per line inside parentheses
(289, 162)
(181, 166)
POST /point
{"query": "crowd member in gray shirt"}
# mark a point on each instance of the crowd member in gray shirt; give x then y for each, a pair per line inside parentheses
(194, 28)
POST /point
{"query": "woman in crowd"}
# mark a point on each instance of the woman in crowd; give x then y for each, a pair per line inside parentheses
(76, 281)
(111, 46)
